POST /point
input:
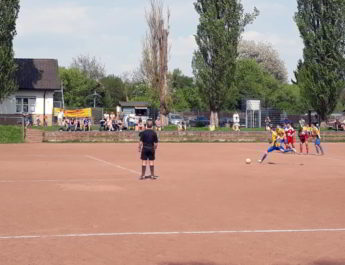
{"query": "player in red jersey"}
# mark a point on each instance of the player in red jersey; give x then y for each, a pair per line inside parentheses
(290, 135)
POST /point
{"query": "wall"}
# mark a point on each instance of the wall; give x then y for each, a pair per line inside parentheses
(9, 105)
(189, 136)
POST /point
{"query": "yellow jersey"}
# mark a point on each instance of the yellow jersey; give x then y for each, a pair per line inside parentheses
(305, 130)
(316, 133)
(275, 138)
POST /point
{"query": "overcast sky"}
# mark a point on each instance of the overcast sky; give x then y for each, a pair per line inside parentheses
(112, 31)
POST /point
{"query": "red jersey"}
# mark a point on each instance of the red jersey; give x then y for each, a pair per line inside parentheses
(291, 132)
(290, 135)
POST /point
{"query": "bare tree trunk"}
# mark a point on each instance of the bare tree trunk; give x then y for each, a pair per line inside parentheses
(155, 55)
(214, 118)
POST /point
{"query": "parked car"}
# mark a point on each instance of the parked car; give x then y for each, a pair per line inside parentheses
(175, 119)
(336, 121)
(199, 122)
(224, 121)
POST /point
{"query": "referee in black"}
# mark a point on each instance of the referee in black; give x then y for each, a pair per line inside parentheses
(147, 146)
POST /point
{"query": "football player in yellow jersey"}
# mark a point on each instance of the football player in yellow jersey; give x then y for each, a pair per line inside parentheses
(276, 144)
(281, 133)
(316, 134)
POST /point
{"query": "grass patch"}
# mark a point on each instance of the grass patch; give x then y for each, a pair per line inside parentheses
(11, 134)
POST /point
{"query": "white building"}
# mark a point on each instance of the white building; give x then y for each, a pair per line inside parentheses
(37, 80)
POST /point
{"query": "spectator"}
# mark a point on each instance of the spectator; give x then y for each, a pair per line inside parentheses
(112, 116)
(78, 125)
(268, 123)
(236, 119)
(110, 125)
(38, 121)
(158, 124)
(106, 116)
(71, 125)
(60, 117)
(184, 126)
(120, 124)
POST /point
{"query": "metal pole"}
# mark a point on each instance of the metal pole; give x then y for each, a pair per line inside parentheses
(62, 96)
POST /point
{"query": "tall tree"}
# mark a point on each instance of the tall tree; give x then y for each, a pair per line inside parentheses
(154, 63)
(321, 73)
(265, 55)
(220, 26)
(9, 10)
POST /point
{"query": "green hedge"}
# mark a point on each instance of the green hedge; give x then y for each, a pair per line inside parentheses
(11, 134)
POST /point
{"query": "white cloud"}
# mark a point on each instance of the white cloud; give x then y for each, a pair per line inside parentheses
(63, 19)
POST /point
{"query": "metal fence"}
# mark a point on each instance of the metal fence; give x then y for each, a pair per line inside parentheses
(253, 119)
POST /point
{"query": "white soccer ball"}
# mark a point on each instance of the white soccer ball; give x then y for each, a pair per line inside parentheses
(248, 161)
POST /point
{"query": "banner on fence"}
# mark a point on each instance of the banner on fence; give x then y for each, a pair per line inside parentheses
(76, 113)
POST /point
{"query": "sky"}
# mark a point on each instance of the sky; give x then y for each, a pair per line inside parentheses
(112, 31)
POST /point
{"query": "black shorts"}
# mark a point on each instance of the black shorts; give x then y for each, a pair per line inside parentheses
(148, 153)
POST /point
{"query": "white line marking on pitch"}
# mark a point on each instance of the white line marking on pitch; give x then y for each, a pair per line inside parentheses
(54, 180)
(113, 165)
(175, 233)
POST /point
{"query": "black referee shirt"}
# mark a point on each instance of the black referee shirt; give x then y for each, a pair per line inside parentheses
(149, 138)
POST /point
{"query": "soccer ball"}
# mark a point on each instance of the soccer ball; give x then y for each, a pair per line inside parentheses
(248, 161)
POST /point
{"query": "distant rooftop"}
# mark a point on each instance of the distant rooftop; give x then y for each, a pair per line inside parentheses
(134, 104)
(38, 74)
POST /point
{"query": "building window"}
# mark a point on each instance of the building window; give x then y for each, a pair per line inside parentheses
(25, 105)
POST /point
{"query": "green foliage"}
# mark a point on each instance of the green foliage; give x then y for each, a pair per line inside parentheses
(9, 10)
(185, 93)
(321, 74)
(288, 98)
(113, 91)
(11, 134)
(253, 82)
(77, 88)
(141, 91)
(214, 64)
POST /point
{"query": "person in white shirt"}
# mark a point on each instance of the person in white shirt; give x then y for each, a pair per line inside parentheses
(60, 117)
(236, 120)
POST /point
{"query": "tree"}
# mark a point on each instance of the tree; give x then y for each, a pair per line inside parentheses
(288, 98)
(265, 55)
(112, 91)
(253, 82)
(154, 65)
(184, 92)
(214, 63)
(77, 87)
(321, 73)
(89, 66)
(9, 10)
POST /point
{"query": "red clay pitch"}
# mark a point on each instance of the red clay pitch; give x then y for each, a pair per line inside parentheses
(82, 204)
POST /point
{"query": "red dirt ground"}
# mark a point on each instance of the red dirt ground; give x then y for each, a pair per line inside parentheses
(62, 189)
